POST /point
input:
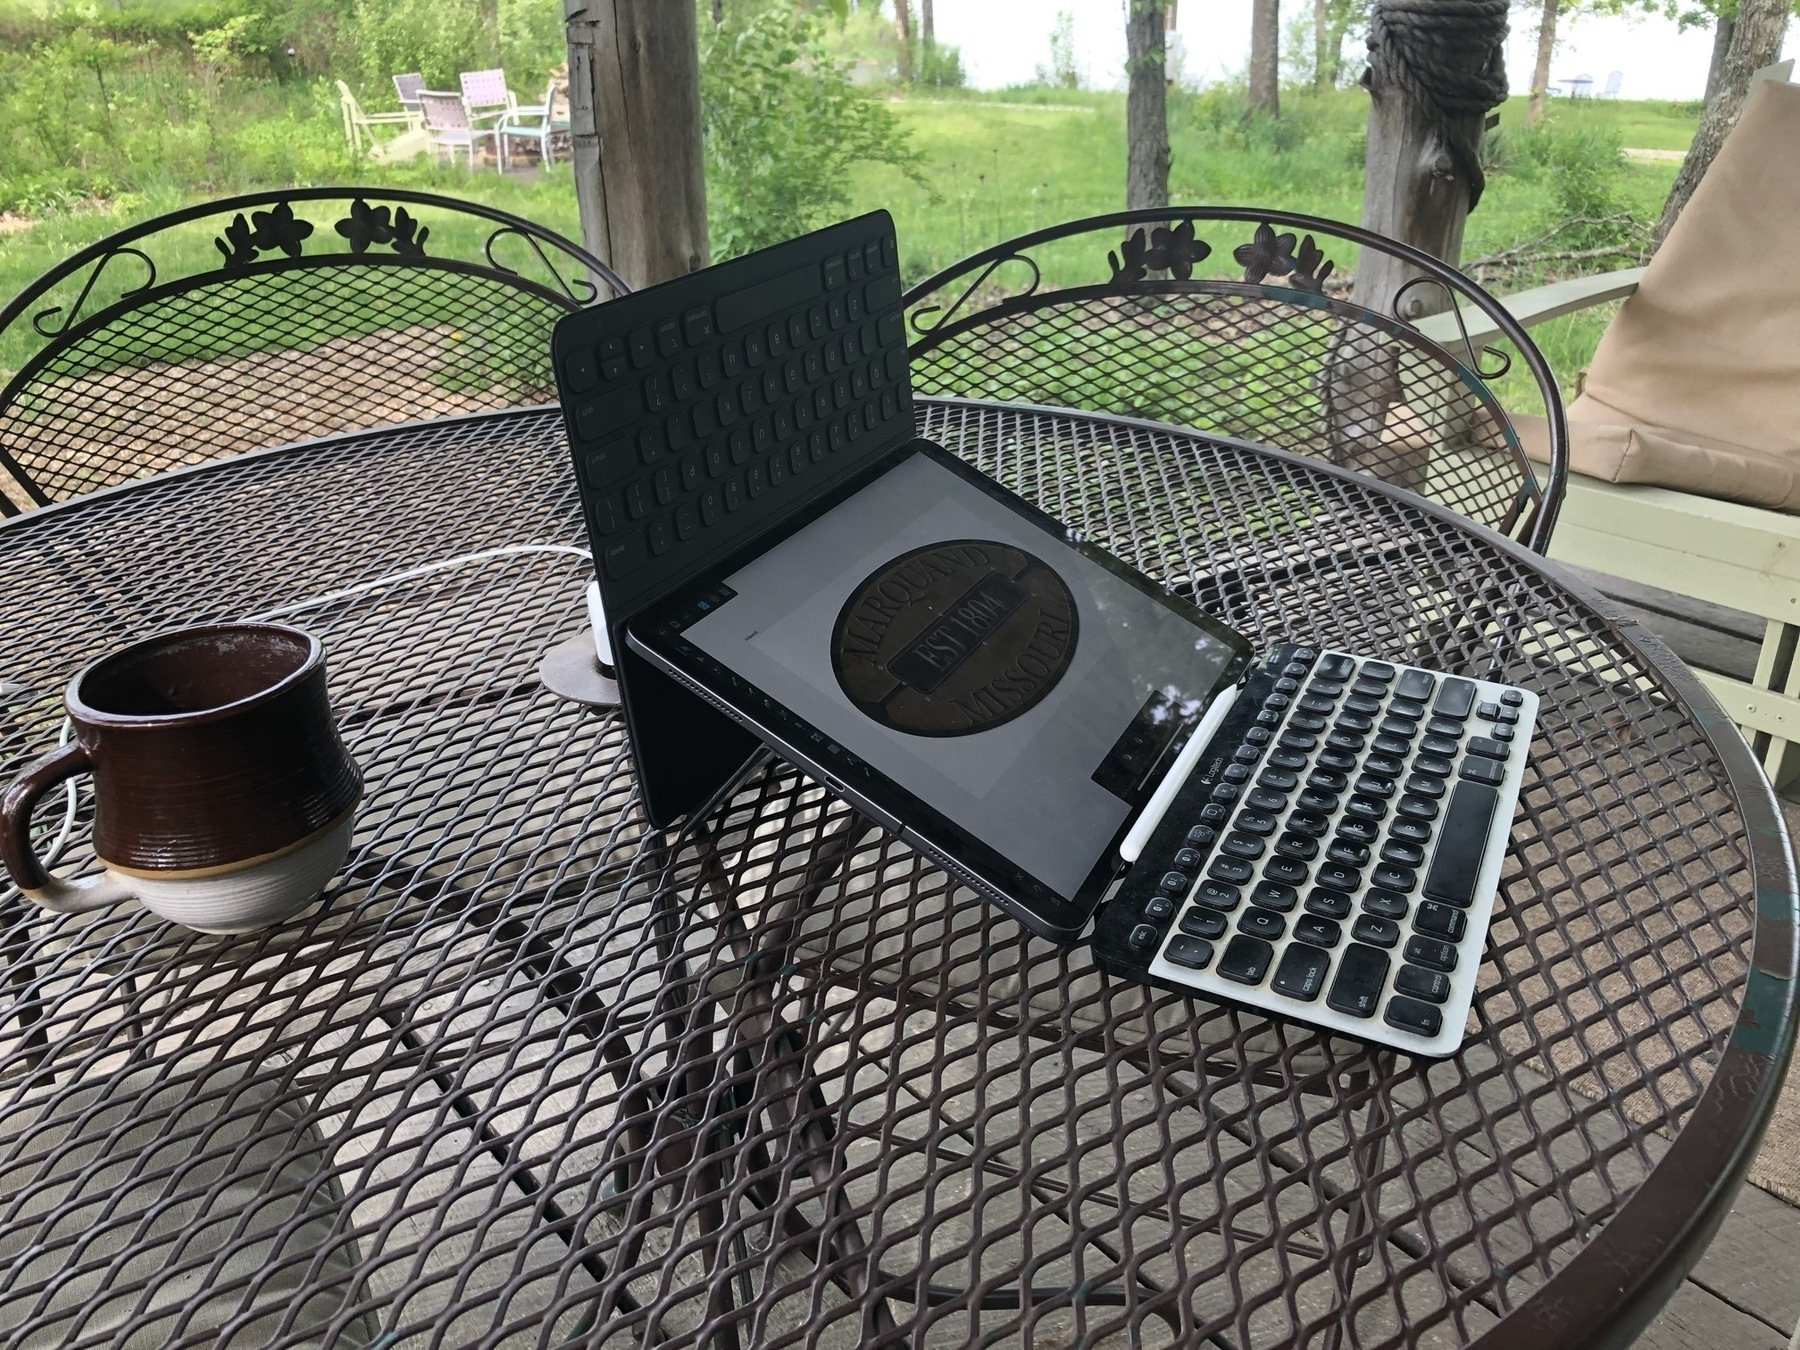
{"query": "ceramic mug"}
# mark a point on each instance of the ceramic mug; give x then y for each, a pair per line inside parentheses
(223, 796)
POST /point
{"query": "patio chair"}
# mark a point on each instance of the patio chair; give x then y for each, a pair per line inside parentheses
(406, 88)
(1614, 82)
(324, 310)
(539, 122)
(450, 127)
(360, 126)
(486, 94)
(1685, 439)
(1229, 320)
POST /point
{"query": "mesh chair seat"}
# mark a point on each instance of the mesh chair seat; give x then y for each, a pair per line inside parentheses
(354, 311)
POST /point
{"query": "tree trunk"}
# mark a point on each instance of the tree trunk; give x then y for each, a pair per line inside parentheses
(926, 30)
(1324, 69)
(903, 37)
(1755, 43)
(489, 13)
(1715, 69)
(1265, 56)
(1540, 73)
(1146, 107)
(634, 89)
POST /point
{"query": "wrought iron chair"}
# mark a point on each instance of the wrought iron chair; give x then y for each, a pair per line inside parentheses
(1234, 321)
(271, 318)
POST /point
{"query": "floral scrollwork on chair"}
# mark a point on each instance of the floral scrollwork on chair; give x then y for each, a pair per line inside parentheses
(276, 228)
(1173, 251)
(1269, 254)
(367, 225)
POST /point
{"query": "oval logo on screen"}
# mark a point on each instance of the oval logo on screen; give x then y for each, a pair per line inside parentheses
(954, 638)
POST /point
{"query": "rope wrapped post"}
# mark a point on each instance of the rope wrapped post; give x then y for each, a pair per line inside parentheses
(1436, 68)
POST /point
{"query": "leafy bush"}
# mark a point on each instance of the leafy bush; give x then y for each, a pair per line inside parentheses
(940, 67)
(783, 126)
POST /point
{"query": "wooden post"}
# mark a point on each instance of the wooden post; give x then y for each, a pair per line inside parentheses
(1146, 106)
(634, 115)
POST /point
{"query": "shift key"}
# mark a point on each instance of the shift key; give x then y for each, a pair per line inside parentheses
(1362, 972)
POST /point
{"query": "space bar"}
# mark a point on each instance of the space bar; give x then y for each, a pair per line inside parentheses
(1461, 841)
(768, 297)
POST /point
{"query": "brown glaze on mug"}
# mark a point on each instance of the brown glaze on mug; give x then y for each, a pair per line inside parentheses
(209, 747)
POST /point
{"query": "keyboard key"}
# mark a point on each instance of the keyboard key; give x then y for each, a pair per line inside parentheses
(1323, 803)
(1407, 709)
(643, 348)
(1383, 766)
(1443, 726)
(1392, 878)
(1430, 952)
(1290, 760)
(1240, 845)
(1327, 780)
(1502, 733)
(1330, 689)
(1417, 808)
(1292, 740)
(1373, 688)
(1442, 746)
(1274, 895)
(1455, 699)
(709, 506)
(1410, 831)
(1440, 920)
(1415, 685)
(1217, 895)
(660, 537)
(1348, 852)
(1401, 853)
(1424, 785)
(1233, 870)
(1287, 871)
(1487, 711)
(1193, 952)
(1187, 858)
(1203, 923)
(1297, 846)
(1319, 932)
(1361, 705)
(1362, 971)
(1430, 985)
(1158, 907)
(1212, 813)
(1488, 748)
(1268, 796)
(1312, 703)
(1335, 666)
(1309, 824)
(734, 492)
(1433, 766)
(1262, 923)
(1255, 822)
(1512, 698)
(1356, 720)
(1348, 741)
(1483, 771)
(1175, 883)
(625, 555)
(1337, 761)
(1301, 973)
(1375, 930)
(687, 521)
(1361, 831)
(1143, 936)
(1201, 835)
(1225, 792)
(1255, 735)
(1378, 670)
(1411, 1015)
(1246, 959)
(1367, 808)
(1338, 877)
(1396, 746)
(1310, 723)
(1328, 904)
(1286, 686)
(1384, 904)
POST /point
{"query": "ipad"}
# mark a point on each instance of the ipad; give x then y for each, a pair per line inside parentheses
(973, 675)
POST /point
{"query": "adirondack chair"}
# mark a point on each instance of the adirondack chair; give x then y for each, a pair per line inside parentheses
(1685, 439)
(359, 126)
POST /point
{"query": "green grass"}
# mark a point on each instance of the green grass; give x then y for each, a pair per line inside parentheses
(1000, 165)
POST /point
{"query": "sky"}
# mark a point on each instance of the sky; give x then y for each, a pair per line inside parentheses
(1004, 41)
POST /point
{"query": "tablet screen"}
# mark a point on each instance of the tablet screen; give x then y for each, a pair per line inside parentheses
(1028, 692)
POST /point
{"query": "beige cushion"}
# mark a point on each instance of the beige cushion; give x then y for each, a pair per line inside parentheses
(1696, 383)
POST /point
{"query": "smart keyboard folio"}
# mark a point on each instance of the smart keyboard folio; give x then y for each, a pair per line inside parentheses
(1312, 835)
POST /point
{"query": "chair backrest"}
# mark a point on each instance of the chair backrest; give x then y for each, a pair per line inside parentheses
(485, 88)
(1232, 321)
(556, 101)
(276, 317)
(408, 87)
(444, 111)
(1614, 82)
(351, 106)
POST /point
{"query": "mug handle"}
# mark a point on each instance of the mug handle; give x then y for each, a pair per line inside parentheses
(52, 892)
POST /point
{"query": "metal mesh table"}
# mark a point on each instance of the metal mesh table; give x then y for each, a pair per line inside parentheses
(535, 1074)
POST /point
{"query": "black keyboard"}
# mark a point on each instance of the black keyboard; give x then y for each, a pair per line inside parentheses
(1333, 858)
(703, 410)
